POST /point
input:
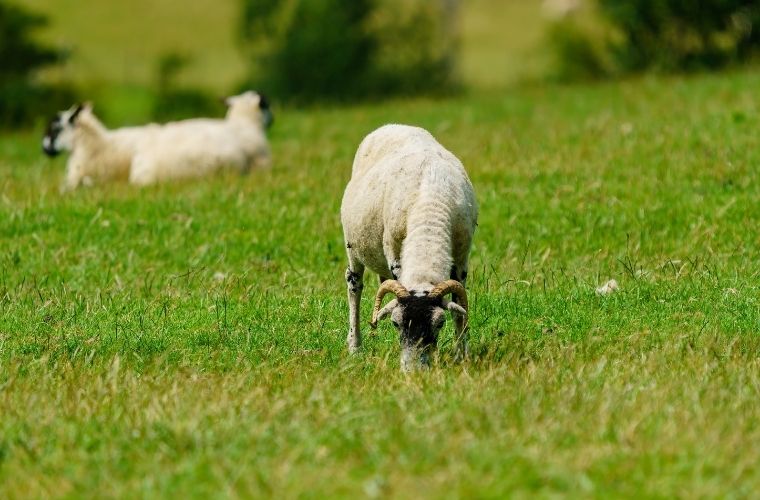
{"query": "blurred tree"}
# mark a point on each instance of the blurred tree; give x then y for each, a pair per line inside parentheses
(682, 34)
(20, 55)
(21, 98)
(173, 102)
(666, 35)
(308, 50)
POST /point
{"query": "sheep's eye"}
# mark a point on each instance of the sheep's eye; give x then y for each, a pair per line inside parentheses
(395, 323)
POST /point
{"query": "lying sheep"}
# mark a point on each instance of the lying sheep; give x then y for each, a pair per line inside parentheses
(193, 148)
(409, 213)
(153, 152)
(96, 152)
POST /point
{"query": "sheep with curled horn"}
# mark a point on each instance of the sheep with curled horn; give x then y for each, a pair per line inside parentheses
(409, 214)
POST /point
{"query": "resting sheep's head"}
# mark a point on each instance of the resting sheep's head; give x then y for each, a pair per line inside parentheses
(250, 105)
(418, 317)
(59, 135)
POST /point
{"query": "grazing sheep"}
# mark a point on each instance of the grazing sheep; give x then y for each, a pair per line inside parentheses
(409, 213)
(97, 153)
(193, 148)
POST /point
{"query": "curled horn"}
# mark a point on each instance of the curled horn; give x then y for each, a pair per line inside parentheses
(451, 286)
(388, 286)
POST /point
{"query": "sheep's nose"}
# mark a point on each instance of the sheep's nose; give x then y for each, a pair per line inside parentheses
(268, 119)
(47, 147)
(413, 359)
(425, 360)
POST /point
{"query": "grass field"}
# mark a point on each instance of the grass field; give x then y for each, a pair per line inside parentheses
(188, 340)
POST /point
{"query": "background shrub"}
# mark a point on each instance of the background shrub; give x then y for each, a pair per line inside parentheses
(579, 53)
(172, 102)
(663, 35)
(21, 57)
(306, 50)
(416, 46)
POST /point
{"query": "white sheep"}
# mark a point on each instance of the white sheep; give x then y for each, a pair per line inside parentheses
(409, 213)
(97, 153)
(193, 148)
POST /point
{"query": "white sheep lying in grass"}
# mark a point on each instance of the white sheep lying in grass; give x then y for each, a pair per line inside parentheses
(97, 153)
(194, 148)
(409, 213)
(153, 153)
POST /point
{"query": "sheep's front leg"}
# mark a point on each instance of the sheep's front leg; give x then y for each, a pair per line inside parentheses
(355, 284)
(462, 332)
(73, 178)
(461, 327)
(392, 252)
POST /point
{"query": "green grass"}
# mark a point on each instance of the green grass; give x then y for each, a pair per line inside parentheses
(189, 339)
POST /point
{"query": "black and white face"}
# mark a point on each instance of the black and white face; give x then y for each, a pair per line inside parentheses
(266, 111)
(59, 135)
(252, 105)
(418, 314)
(418, 319)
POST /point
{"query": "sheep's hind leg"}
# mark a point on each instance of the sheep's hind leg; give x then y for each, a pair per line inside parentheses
(461, 327)
(355, 284)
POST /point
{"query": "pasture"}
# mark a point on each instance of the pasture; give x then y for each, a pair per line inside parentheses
(188, 340)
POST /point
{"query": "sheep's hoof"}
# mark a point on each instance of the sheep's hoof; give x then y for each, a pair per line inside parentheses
(353, 347)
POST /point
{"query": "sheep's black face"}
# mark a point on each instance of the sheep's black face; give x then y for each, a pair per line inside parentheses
(266, 111)
(58, 133)
(52, 132)
(418, 319)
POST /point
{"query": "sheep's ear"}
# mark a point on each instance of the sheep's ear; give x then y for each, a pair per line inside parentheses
(455, 308)
(385, 312)
(75, 114)
(263, 101)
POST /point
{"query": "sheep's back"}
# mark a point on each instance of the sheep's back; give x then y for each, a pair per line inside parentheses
(397, 170)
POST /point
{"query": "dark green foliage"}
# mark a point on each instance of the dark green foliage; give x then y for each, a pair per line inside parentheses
(664, 35)
(331, 57)
(416, 46)
(577, 56)
(173, 102)
(683, 34)
(22, 102)
(21, 99)
(346, 49)
(18, 52)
